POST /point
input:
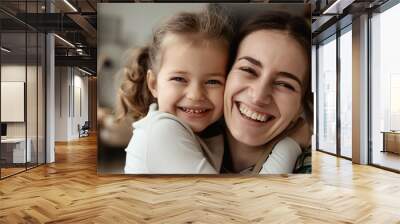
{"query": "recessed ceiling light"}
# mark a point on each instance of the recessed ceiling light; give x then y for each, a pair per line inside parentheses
(64, 40)
(337, 7)
(70, 5)
(84, 71)
(5, 49)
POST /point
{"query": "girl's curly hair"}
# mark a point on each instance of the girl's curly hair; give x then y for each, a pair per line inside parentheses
(134, 97)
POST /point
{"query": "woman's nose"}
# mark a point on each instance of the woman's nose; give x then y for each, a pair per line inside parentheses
(195, 92)
(261, 93)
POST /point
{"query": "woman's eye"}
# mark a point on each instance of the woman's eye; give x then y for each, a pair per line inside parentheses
(248, 70)
(178, 79)
(214, 82)
(286, 85)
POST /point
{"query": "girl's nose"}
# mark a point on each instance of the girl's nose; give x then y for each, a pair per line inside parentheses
(195, 92)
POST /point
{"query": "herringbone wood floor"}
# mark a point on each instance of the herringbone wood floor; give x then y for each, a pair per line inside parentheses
(70, 191)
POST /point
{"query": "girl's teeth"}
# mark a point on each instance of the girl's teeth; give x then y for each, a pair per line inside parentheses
(192, 110)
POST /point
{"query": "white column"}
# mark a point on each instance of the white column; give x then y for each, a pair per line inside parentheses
(50, 93)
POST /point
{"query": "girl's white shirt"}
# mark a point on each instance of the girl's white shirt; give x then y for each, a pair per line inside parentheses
(283, 157)
(162, 144)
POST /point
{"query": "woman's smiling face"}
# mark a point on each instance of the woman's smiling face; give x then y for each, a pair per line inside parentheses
(264, 89)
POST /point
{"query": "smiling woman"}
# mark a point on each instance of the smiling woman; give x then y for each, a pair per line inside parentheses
(264, 85)
(267, 91)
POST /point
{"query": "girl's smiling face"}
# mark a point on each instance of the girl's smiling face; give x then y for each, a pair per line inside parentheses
(191, 79)
(265, 86)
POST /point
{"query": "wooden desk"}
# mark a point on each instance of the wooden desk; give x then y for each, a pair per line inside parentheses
(391, 141)
(16, 147)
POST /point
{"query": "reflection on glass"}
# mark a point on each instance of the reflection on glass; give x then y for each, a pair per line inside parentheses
(385, 84)
(345, 94)
(327, 96)
(394, 101)
(22, 90)
(13, 86)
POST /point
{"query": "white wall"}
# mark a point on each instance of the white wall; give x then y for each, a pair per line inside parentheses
(82, 83)
(61, 103)
(80, 93)
(69, 82)
(16, 73)
(33, 105)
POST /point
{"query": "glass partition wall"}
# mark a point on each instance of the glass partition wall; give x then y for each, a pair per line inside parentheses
(326, 56)
(345, 90)
(385, 89)
(13, 110)
(334, 81)
(334, 94)
(22, 106)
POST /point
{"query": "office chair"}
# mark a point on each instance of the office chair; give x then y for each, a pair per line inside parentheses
(84, 130)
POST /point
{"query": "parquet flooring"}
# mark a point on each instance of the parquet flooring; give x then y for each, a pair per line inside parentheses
(69, 191)
(387, 159)
(9, 171)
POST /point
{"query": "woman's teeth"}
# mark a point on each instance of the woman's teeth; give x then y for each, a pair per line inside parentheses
(193, 111)
(248, 113)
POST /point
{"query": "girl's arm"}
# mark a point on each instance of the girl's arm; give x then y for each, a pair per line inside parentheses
(172, 148)
(285, 153)
(283, 157)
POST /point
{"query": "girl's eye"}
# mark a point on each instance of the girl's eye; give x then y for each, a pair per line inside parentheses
(285, 85)
(214, 82)
(248, 70)
(178, 79)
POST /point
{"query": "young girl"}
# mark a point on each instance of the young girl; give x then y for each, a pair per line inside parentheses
(178, 81)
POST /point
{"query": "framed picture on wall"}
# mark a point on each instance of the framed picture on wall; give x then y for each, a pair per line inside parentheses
(12, 101)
